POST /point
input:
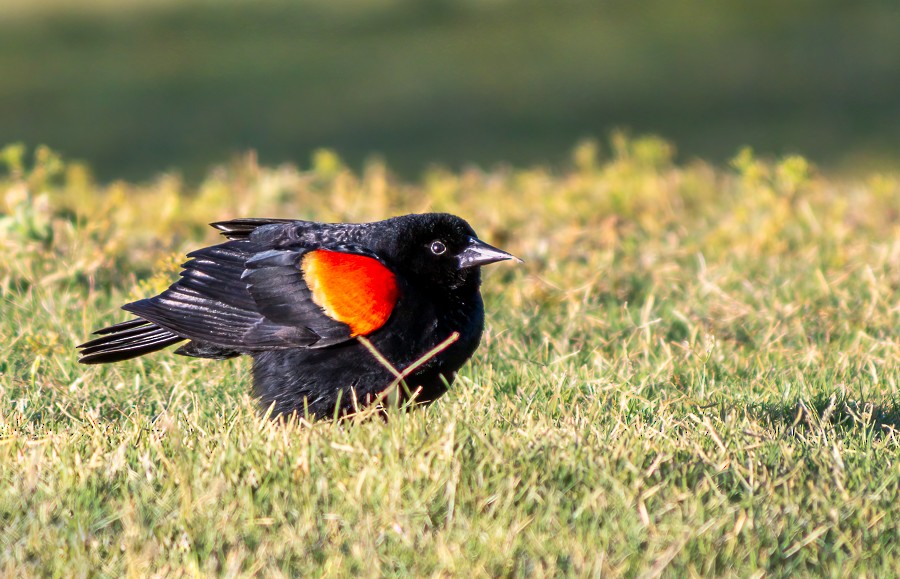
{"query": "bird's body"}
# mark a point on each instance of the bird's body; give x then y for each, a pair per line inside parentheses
(296, 295)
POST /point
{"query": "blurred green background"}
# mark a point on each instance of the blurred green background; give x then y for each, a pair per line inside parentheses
(135, 87)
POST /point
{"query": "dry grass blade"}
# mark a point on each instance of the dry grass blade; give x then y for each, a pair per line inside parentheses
(399, 376)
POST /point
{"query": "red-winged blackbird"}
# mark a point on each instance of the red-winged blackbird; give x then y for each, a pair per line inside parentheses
(295, 295)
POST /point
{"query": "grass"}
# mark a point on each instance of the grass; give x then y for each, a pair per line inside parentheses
(695, 372)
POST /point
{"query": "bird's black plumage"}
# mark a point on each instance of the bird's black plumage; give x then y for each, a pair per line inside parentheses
(295, 295)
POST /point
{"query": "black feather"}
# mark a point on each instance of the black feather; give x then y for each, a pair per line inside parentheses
(275, 282)
(241, 297)
(121, 326)
(197, 349)
(127, 335)
(242, 228)
(126, 340)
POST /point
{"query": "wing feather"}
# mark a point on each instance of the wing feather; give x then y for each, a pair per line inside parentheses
(276, 283)
(242, 296)
(242, 228)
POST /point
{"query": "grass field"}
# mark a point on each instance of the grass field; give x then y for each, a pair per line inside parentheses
(694, 372)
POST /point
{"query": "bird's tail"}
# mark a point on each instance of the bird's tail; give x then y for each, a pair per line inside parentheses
(126, 340)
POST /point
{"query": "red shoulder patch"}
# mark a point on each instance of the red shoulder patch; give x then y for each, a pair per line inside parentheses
(353, 289)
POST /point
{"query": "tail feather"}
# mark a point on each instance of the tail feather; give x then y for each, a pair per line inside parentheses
(127, 343)
(121, 326)
(120, 338)
(126, 340)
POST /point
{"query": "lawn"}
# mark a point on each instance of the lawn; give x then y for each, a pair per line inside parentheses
(695, 371)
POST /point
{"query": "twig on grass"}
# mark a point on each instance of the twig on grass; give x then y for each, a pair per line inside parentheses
(400, 377)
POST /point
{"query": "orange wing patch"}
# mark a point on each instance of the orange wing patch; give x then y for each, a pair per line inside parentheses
(354, 289)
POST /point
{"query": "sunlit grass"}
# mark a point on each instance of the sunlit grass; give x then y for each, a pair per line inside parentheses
(695, 371)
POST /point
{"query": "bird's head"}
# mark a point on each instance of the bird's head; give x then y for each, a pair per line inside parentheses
(438, 250)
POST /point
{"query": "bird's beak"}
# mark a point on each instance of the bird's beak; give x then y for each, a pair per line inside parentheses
(480, 253)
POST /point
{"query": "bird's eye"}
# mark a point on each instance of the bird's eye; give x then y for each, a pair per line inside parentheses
(438, 247)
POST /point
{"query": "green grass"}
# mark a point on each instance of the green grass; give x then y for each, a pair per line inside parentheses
(695, 372)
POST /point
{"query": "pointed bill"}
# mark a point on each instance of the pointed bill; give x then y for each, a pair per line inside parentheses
(479, 253)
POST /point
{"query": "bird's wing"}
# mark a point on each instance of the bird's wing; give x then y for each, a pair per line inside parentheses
(337, 293)
(249, 297)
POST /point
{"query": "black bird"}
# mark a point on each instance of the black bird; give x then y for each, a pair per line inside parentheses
(296, 295)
